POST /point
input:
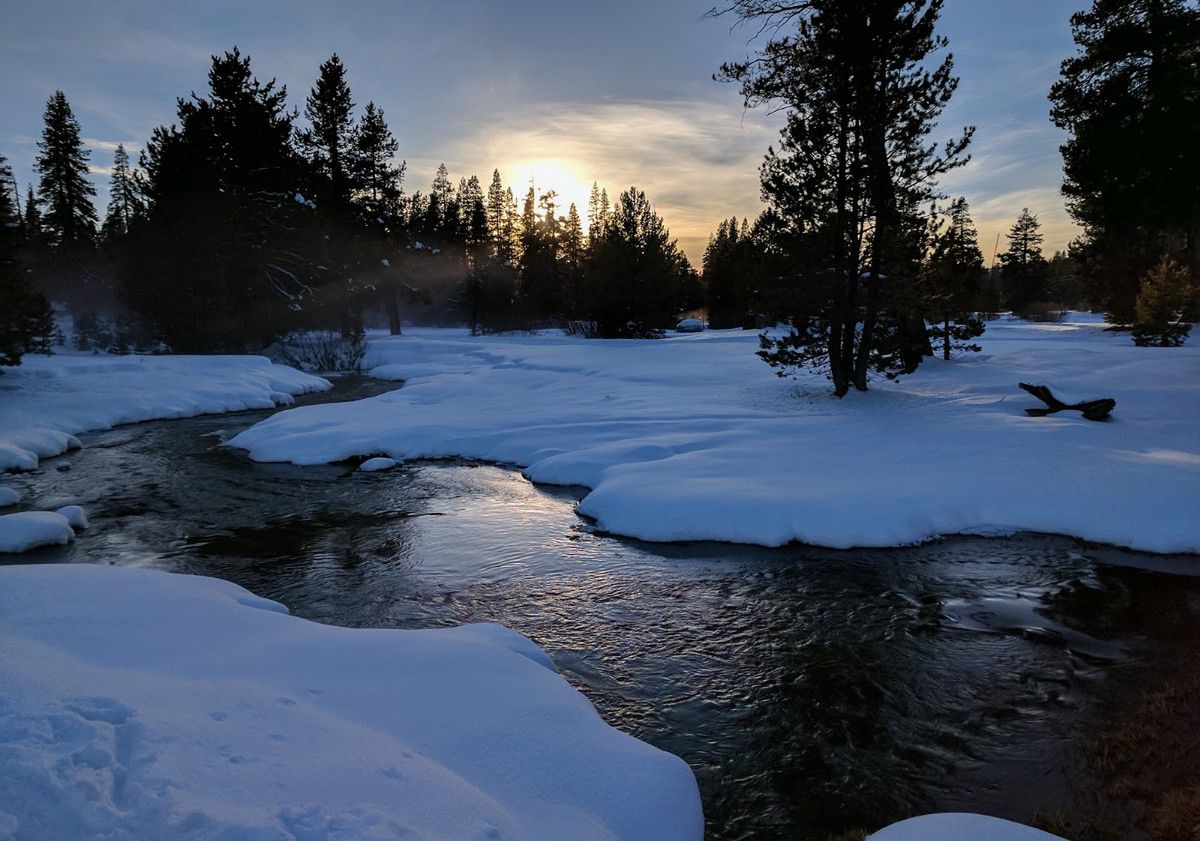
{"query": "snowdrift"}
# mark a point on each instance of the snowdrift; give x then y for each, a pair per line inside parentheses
(137, 704)
(694, 438)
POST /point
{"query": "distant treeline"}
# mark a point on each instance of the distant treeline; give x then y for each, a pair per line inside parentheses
(244, 222)
(239, 227)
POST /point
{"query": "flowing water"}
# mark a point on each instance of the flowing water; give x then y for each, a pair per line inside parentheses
(812, 691)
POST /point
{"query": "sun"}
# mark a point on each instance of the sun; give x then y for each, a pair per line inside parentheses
(562, 176)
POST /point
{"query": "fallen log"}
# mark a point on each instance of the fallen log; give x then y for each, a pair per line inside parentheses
(1093, 410)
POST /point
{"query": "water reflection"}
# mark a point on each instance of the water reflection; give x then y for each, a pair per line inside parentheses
(812, 691)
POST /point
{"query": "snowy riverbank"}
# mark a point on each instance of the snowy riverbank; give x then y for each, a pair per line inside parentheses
(138, 704)
(46, 401)
(694, 438)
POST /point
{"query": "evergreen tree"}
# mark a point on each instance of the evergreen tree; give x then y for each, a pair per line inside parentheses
(220, 262)
(593, 214)
(64, 191)
(1024, 271)
(731, 261)
(32, 223)
(475, 216)
(372, 171)
(26, 323)
(635, 271)
(124, 203)
(508, 246)
(952, 280)
(862, 92)
(572, 254)
(495, 208)
(330, 135)
(1167, 304)
(573, 248)
(1129, 99)
(541, 283)
(440, 195)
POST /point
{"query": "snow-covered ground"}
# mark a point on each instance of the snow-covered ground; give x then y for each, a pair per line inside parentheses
(46, 401)
(137, 704)
(959, 827)
(693, 437)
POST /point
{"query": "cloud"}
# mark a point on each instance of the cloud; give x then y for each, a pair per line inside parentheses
(131, 146)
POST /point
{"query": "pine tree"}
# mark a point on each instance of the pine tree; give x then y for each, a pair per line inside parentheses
(330, 135)
(495, 208)
(573, 248)
(1024, 271)
(541, 284)
(952, 281)
(862, 92)
(635, 271)
(220, 263)
(1167, 304)
(32, 224)
(64, 190)
(731, 265)
(508, 246)
(375, 177)
(474, 213)
(124, 203)
(26, 323)
(593, 213)
(1129, 98)
(440, 194)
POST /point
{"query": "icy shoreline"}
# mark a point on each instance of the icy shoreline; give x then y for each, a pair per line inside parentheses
(46, 401)
(693, 438)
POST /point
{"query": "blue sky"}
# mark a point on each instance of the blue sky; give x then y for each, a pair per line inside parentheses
(562, 92)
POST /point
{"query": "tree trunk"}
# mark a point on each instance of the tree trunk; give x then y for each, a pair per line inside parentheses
(392, 301)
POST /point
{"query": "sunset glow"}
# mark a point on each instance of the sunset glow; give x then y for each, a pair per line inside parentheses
(564, 177)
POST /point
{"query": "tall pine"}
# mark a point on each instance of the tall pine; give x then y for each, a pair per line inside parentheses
(328, 138)
(64, 192)
(26, 324)
(1130, 99)
(124, 201)
(952, 281)
(863, 90)
(1024, 272)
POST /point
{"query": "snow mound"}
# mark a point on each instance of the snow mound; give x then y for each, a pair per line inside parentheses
(28, 530)
(139, 704)
(47, 401)
(75, 515)
(960, 827)
(693, 438)
(373, 465)
(8, 497)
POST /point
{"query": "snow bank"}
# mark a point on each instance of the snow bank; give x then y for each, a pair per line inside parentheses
(75, 515)
(373, 465)
(693, 437)
(46, 401)
(959, 827)
(28, 530)
(139, 704)
(8, 497)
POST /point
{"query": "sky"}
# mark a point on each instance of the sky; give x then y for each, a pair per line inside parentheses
(561, 92)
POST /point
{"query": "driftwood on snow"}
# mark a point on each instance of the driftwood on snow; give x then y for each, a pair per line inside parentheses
(1095, 410)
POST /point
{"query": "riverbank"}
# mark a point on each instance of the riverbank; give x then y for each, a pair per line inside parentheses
(694, 438)
(48, 400)
(156, 705)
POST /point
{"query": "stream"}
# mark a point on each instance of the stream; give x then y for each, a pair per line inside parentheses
(813, 692)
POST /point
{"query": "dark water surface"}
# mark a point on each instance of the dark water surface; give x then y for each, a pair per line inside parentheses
(813, 691)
